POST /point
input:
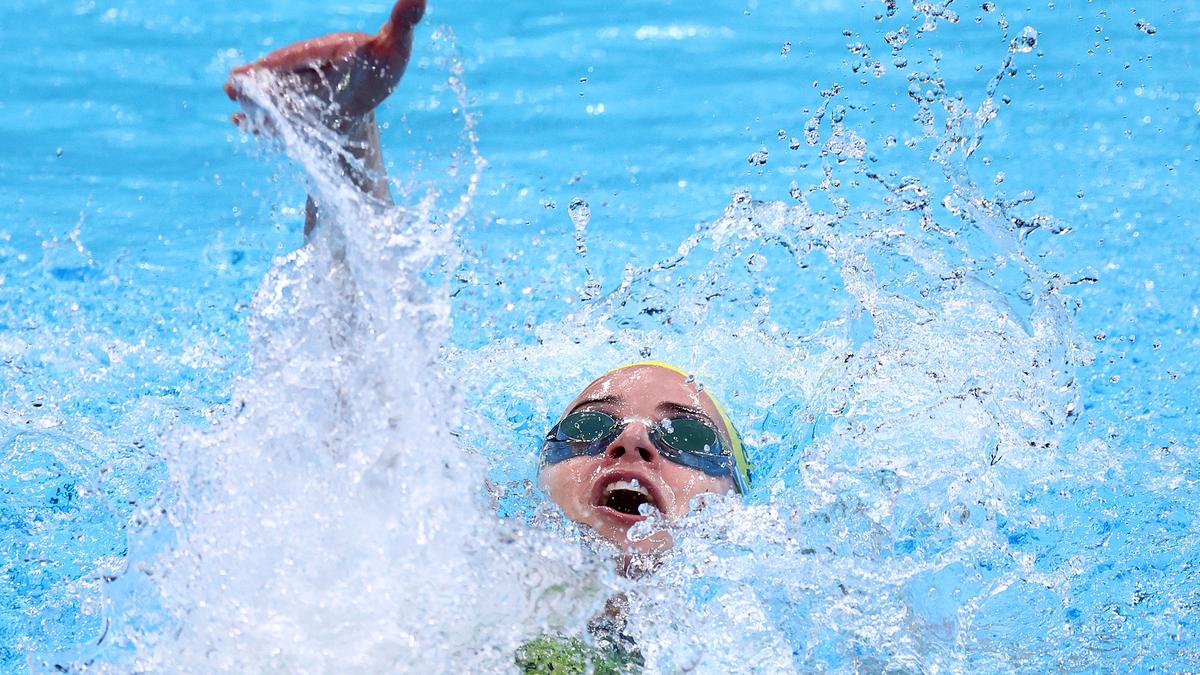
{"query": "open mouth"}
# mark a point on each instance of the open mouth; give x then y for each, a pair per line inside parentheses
(625, 496)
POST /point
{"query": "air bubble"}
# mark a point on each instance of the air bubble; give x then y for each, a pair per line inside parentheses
(1146, 27)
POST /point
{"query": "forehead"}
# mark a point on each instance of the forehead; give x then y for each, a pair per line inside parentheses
(647, 390)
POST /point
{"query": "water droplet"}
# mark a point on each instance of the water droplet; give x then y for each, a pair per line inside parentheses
(782, 134)
(989, 7)
(759, 158)
(812, 130)
(794, 143)
(897, 39)
(581, 215)
(786, 49)
(1025, 42)
(591, 287)
(1146, 27)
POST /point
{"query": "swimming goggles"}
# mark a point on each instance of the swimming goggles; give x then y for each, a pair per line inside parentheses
(687, 441)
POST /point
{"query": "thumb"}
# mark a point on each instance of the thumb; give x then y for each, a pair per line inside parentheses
(405, 15)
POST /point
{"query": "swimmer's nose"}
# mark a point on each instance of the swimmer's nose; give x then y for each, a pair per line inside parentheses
(633, 445)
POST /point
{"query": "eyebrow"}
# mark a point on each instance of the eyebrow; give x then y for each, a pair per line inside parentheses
(609, 399)
(671, 406)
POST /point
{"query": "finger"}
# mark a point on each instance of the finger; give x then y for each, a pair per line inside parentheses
(406, 14)
(243, 123)
(231, 89)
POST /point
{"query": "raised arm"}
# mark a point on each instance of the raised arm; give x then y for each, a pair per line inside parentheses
(350, 74)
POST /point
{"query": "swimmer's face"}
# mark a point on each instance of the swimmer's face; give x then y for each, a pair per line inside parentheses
(583, 486)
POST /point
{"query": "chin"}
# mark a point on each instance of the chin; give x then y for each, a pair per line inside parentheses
(657, 542)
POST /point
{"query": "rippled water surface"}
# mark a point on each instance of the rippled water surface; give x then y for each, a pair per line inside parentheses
(938, 259)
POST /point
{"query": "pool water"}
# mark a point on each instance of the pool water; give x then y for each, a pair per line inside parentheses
(938, 259)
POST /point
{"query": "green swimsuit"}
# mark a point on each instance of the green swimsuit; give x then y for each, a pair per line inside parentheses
(571, 656)
(611, 651)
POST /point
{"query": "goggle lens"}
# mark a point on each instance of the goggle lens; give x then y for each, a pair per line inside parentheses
(586, 426)
(684, 440)
(691, 436)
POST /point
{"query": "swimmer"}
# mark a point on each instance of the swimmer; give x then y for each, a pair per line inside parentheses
(642, 438)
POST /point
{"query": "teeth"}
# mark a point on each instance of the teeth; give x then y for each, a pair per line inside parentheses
(626, 485)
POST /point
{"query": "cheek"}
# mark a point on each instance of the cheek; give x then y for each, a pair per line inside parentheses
(687, 483)
(567, 483)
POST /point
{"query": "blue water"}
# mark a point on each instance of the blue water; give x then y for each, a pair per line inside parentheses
(977, 440)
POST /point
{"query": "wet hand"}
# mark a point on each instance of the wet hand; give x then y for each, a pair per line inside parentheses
(350, 72)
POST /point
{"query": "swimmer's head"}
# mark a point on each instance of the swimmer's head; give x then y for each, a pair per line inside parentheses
(642, 436)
